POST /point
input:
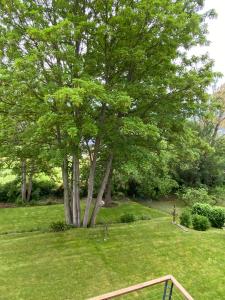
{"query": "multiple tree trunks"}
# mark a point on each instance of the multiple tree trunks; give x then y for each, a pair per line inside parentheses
(71, 184)
(72, 207)
(26, 181)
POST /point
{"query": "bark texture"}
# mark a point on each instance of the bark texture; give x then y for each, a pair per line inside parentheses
(101, 191)
(76, 191)
(24, 181)
(67, 207)
(29, 188)
(91, 184)
(108, 190)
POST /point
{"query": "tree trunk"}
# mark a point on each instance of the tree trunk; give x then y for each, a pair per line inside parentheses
(67, 207)
(91, 183)
(30, 185)
(30, 182)
(101, 191)
(108, 191)
(76, 191)
(24, 181)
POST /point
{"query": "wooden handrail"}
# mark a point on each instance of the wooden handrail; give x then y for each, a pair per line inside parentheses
(143, 285)
(180, 288)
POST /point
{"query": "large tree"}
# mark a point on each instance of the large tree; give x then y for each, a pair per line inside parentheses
(101, 74)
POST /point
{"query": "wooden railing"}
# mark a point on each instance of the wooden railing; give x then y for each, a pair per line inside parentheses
(165, 279)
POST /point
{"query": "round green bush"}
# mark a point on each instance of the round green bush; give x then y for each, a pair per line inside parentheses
(58, 226)
(127, 218)
(202, 209)
(200, 223)
(185, 218)
(217, 217)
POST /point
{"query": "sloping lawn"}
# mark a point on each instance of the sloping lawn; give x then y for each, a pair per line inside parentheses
(78, 264)
(24, 219)
(167, 204)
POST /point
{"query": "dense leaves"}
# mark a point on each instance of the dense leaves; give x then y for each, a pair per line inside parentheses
(200, 223)
(216, 215)
(186, 218)
(85, 82)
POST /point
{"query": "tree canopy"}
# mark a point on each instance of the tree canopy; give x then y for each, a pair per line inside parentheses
(107, 81)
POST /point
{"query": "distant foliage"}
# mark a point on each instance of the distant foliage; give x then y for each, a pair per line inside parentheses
(185, 218)
(200, 223)
(127, 218)
(145, 175)
(218, 194)
(11, 191)
(58, 226)
(190, 196)
(42, 189)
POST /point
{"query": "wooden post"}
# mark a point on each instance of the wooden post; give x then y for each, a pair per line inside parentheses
(174, 214)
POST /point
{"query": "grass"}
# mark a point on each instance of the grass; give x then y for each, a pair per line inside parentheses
(35, 218)
(78, 264)
(167, 204)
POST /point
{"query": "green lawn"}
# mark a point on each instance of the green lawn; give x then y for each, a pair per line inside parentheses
(78, 263)
(39, 217)
(167, 204)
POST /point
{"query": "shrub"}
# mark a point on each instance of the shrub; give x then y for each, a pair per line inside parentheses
(200, 223)
(127, 218)
(58, 226)
(44, 188)
(19, 202)
(58, 192)
(185, 218)
(190, 196)
(202, 209)
(10, 191)
(49, 202)
(217, 217)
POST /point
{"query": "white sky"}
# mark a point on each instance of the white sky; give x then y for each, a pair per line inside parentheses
(217, 35)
